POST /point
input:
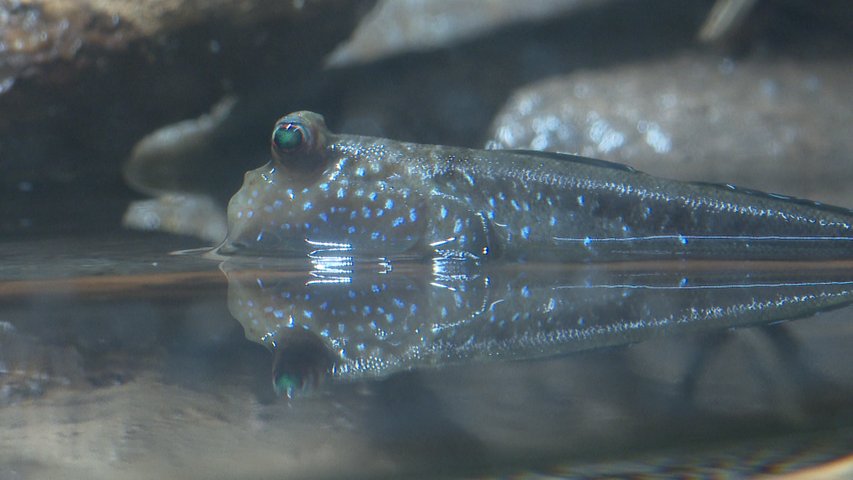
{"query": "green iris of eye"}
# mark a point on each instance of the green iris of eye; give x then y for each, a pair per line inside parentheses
(287, 137)
(285, 385)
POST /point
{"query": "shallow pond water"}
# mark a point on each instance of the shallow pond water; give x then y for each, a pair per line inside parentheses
(120, 360)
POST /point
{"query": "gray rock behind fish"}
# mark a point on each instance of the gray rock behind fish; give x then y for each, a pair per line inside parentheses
(776, 124)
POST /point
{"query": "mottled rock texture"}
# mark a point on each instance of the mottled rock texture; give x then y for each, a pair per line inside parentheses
(771, 124)
(397, 26)
(82, 80)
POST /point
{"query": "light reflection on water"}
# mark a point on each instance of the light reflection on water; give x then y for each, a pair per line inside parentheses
(140, 371)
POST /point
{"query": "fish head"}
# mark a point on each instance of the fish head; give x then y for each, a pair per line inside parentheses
(322, 191)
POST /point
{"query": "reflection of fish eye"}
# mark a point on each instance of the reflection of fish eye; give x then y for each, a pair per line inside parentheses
(285, 384)
(300, 363)
(287, 138)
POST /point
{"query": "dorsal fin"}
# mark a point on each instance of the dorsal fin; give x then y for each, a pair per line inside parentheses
(776, 196)
(567, 157)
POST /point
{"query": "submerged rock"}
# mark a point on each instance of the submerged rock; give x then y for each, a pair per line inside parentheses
(28, 368)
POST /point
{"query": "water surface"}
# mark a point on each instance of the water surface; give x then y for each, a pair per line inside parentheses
(122, 361)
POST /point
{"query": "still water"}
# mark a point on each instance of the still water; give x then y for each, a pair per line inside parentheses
(121, 360)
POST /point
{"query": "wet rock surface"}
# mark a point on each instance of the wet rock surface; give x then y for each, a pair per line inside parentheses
(83, 81)
(56, 42)
(396, 26)
(753, 121)
(28, 369)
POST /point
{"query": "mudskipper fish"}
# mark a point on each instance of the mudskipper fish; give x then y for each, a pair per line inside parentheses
(378, 197)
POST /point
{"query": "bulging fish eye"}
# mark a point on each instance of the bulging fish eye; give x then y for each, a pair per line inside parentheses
(288, 137)
(298, 142)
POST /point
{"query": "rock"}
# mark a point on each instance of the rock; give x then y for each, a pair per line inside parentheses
(450, 95)
(776, 125)
(28, 368)
(189, 214)
(38, 34)
(82, 80)
(166, 164)
(396, 26)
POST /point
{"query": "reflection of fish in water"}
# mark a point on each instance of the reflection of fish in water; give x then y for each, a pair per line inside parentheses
(350, 321)
(376, 196)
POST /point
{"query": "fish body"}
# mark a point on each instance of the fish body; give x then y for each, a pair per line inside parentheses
(375, 196)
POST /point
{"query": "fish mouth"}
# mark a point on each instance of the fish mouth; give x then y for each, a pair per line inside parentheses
(246, 240)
